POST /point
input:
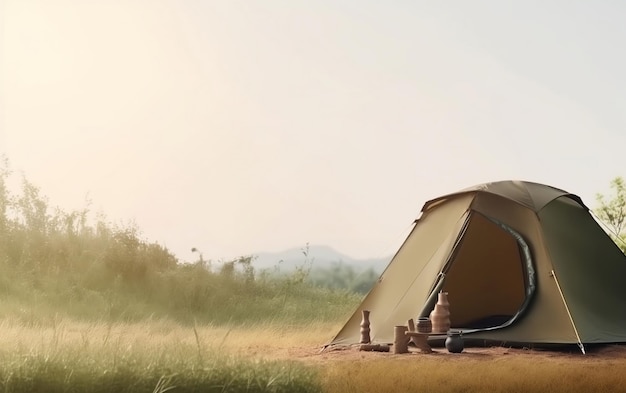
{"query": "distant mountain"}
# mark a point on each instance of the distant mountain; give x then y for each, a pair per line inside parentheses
(315, 256)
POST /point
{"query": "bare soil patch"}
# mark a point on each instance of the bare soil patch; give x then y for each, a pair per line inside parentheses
(352, 353)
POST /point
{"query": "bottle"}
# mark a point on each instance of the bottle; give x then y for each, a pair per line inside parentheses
(440, 316)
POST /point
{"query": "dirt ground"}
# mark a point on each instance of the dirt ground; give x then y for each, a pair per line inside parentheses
(351, 353)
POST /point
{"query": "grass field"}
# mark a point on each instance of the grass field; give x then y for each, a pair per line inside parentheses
(154, 356)
(62, 355)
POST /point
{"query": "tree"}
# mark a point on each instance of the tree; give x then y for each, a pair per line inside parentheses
(613, 211)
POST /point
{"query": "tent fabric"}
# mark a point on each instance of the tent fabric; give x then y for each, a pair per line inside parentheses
(522, 262)
(532, 195)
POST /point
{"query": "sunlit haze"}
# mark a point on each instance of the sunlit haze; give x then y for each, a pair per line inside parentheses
(240, 127)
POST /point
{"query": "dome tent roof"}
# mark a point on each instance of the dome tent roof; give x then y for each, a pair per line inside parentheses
(534, 196)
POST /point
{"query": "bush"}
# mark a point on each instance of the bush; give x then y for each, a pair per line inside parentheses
(54, 261)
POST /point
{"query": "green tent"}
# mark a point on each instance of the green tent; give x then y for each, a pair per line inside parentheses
(522, 263)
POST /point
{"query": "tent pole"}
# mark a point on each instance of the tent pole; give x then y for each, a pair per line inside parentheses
(432, 299)
(569, 314)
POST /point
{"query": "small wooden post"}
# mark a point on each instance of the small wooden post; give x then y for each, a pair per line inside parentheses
(400, 340)
(365, 327)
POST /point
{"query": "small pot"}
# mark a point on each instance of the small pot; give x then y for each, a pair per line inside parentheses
(424, 325)
(454, 341)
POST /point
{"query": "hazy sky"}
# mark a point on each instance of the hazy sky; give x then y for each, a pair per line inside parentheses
(246, 126)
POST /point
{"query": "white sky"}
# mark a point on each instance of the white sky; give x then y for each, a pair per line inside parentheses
(244, 126)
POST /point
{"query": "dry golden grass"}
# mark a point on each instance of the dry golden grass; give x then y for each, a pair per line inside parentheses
(67, 356)
(263, 340)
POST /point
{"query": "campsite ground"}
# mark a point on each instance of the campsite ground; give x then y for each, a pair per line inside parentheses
(476, 369)
(73, 356)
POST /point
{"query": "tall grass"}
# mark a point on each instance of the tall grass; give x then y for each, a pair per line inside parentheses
(65, 356)
(81, 265)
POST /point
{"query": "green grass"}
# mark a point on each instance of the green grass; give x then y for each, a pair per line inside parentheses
(150, 371)
(185, 297)
(68, 356)
(84, 267)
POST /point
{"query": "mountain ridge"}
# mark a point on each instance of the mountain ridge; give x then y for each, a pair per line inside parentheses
(315, 257)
